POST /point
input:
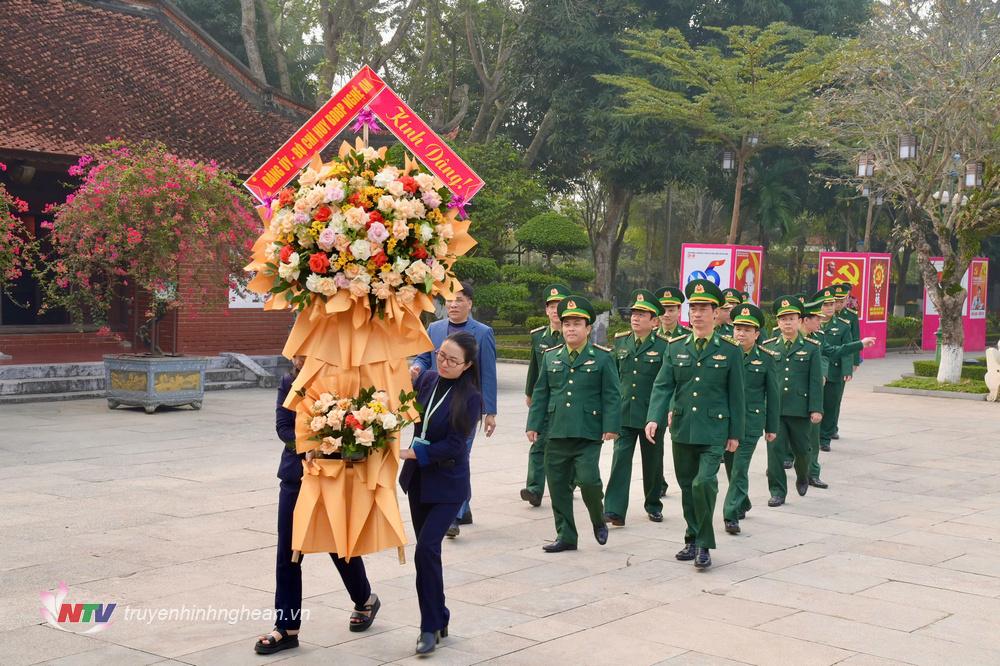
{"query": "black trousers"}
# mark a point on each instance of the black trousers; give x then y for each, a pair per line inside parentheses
(430, 522)
(288, 574)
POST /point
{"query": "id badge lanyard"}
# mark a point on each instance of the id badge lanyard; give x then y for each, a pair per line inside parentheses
(432, 407)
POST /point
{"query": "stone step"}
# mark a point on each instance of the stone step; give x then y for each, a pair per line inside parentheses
(43, 385)
(51, 370)
(224, 375)
(50, 397)
(225, 386)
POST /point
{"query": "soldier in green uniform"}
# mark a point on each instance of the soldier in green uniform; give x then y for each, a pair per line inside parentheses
(842, 291)
(639, 355)
(576, 402)
(840, 349)
(760, 377)
(810, 328)
(723, 315)
(542, 338)
(671, 299)
(800, 368)
(699, 395)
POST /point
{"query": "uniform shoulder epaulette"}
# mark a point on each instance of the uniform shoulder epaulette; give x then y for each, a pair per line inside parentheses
(812, 340)
(663, 336)
(769, 340)
(770, 351)
(678, 337)
(559, 346)
(846, 321)
(819, 332)
(603, 348)
(536, 330)
(622, 334)
(852, 311)
(730, 340)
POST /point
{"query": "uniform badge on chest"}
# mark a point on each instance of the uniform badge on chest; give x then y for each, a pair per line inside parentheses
(719, 357)
(756, 362)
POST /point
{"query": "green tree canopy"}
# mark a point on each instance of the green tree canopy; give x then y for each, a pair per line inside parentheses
(551, 234)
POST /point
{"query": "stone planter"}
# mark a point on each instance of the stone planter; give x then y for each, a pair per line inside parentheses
(151, 381)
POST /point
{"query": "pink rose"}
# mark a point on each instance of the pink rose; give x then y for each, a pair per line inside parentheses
(377, 233)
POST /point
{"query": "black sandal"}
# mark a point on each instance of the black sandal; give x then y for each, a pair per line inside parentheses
(367, 616)
(286, 642)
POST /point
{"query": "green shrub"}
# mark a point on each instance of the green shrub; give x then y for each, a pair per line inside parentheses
(930, 384)
(513, 340)
(930, 369)
(535, 321)
(500, 324)
(514, 353)
(576, 274)
(904, 327)
(898, 343)
(478, 270)
(600, 305)
(517, 311)
(552, 234)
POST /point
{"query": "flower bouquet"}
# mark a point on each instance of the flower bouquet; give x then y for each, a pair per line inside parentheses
(352, 428)
(361, 225)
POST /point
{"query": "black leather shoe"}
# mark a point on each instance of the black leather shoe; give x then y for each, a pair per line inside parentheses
(787, 464)
(817, 482)
(835, 435)
(825, 447)
(466, 518)
(558, 546)
(534, 499)
(802, 487)
(687, 553)
(614, 519)
(655, 517)
(743, 514)
(776, 501)
(702, 559)
(732, 526)
(428, 640)
(601, 533)
(453, 530)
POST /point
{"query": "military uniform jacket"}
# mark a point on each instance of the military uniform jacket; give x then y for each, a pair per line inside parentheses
(800, 371)
(678, 330)
(724, 329)
(637, 368)
(840, 347)
(542, 338)
(763, 396)
(703, 390)
(852, 316)
(578, 399)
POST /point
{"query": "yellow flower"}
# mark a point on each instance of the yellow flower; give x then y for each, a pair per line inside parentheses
(391, 245)
(386, 268)
(368, 174)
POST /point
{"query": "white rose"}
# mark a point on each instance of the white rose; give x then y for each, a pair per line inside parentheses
(315, 197)
(386, 176)
(312, 282)
(308, 177)
(357, 182)
(400, 264)
(396, 188)
(317, 423)
(272, 251)
(290, 271)
(437, 271)
(370, 154)
(361, 249)
(330, 445)
(356, 217)
(425, 181)
(338, 223)
(389, 421)
(385, 203)
(417, 271)
(426, 232)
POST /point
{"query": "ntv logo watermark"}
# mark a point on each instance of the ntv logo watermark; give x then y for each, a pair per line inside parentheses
(78, 618)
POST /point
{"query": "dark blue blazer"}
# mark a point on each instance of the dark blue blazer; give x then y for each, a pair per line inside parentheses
(443, 465)
(487, 360)
(290, 467)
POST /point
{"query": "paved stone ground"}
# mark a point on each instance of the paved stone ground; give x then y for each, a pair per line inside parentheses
(896, 563)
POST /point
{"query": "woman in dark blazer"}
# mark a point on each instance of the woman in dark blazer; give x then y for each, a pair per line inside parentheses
(435, 474)
(288, 574)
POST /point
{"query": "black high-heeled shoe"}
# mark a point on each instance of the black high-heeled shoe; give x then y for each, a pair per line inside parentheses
(428, 640)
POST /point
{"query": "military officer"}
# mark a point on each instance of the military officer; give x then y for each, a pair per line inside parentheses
(809, 326)
(800, 367)
(639, 355)
(671, 299)
(542, 338)
(842, 291)
(701, 385)
(723, 319)
(763, 411)
(576, 402)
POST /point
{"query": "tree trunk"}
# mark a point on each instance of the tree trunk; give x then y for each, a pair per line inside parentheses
(902, 262)
(952, 337)
(868, 224)
(273, 43)
(606, 240)
(248, 27)
(734, 225)
(333, 22)
(541, 134)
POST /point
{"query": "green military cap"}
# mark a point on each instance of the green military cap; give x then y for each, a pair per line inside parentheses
(644, 299)
(824, 295)
(841, 290)
(670, 296)
(731, 297)
(801, 296)
(576, 306)
(788, 305)
(703, 291)
(812, 308)
(748, 314)
(556, 292)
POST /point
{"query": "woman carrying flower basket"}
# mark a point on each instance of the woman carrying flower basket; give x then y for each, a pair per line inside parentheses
(288, 573)
(435, 473)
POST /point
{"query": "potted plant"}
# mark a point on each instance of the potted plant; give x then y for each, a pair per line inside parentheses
(17, 246)
(147, 225)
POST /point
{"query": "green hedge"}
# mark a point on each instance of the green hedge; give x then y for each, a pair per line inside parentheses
(898, 343)
(903, 327)
(514, 353)
(478, 270)
(930, 384)
(930, 369)
(535, 321)
(516, 340)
